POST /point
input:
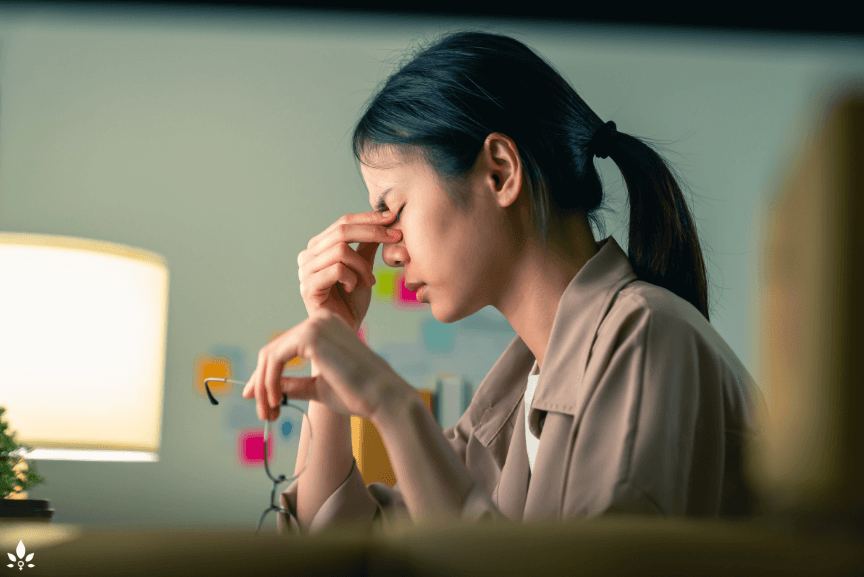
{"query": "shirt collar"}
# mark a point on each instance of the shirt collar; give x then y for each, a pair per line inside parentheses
(582, 306)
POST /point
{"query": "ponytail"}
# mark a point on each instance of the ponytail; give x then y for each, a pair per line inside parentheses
(664, 246)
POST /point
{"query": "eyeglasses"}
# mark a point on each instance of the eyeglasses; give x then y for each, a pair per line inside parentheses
(280, 478)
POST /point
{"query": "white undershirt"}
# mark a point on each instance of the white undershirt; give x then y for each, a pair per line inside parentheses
(531, 442)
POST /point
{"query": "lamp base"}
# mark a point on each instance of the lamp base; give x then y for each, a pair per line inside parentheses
(30, 510)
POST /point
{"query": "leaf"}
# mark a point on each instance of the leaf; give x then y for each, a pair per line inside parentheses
(12, 557)
(20, 550)
(33, 478)
(29, 557)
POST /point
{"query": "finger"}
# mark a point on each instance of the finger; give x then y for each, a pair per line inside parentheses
(366, 251)
(357, 233)
(300, 388)
(363, 227)
(260, 400)
(338, 253)
(319, 287)
(277, 357)
(249, 389)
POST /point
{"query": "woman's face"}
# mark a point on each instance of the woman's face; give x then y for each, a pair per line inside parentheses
(453, 255)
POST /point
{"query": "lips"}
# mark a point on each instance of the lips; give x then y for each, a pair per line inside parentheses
(417, 289)
(421, 294)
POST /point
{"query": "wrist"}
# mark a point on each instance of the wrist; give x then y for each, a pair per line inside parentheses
(395, 396)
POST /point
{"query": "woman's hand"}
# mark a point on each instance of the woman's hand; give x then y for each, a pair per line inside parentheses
(329, 261)
(352, 379)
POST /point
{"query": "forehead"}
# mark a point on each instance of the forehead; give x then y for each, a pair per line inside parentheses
(386, 167)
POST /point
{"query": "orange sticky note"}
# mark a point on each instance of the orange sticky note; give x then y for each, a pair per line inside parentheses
(212, 367)
(295, 364)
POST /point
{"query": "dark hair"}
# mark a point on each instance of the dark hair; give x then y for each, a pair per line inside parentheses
(451, 95)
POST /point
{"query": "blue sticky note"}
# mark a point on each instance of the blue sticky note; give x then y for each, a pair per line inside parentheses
(438, 336)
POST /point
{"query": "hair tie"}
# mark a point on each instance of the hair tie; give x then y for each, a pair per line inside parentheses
(603, 140)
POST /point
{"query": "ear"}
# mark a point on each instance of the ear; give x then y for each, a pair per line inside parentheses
(502, 168)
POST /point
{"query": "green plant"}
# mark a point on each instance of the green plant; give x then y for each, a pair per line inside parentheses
(9, 479)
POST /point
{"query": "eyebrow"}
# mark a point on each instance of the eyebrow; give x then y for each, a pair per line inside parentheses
(380, 205)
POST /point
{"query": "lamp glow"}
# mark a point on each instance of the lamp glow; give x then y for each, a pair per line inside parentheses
(82, 346)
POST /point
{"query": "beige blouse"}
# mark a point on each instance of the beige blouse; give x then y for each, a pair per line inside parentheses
(646, 408)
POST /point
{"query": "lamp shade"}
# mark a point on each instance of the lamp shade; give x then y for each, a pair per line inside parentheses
(82, 346)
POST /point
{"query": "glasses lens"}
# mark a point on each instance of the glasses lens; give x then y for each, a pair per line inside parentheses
(283, 442)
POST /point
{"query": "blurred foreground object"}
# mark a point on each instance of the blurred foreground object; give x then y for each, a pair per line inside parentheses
(615, 546)
(809, 462)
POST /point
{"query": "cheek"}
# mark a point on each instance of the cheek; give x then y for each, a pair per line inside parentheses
(462, 261)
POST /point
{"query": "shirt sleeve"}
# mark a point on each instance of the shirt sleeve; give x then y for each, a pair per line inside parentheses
(479, 505)
(377, 507)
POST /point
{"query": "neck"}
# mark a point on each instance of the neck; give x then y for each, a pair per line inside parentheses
(538, 278)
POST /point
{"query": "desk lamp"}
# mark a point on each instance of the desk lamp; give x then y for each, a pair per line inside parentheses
(82, 347)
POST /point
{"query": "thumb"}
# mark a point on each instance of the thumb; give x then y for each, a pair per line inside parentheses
(300, 388)
(367, 250)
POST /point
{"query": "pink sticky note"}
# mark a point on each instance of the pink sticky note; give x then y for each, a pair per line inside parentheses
(251, 447)
(406, 297)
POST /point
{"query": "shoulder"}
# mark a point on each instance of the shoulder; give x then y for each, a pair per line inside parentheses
(638, 309)
(656, 301)
(652, 344)
(660, 323)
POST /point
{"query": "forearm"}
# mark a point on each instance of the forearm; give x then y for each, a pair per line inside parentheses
(433, 481)
(330, 458)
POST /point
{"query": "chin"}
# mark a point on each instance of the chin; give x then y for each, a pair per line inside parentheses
(449, 316)
(441, 316)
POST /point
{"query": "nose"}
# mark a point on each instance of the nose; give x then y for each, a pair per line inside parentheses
(394, 254)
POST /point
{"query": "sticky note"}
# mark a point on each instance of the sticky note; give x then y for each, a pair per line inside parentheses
(250, 447)
(385, 283)
(438, 336)
(404, 297)
(207, 367)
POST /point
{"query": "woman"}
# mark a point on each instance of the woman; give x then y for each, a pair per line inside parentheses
(478, 158)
